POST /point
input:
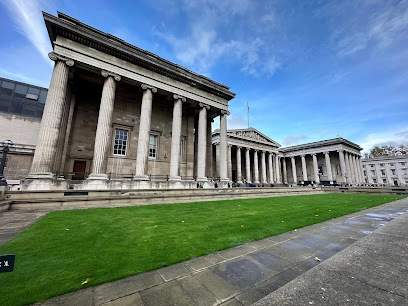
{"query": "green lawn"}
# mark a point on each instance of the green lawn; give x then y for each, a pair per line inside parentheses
(58, 253)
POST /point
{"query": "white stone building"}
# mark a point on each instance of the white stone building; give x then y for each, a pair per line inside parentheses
(118, 117)
(328, 162)
(386, 170)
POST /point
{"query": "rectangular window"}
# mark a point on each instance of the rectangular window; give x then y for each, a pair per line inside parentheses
(382, 172)
(153, 147)
(374, 181)
(372, 172)
(381, 165)
(392, 165)
(384, 181)
(402, 164)
(121, 137)
(393, 171)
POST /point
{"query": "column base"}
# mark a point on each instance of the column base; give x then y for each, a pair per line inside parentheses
(256, 182)
(224, 180)
(202, 179)
(95, 183)
(45, 183)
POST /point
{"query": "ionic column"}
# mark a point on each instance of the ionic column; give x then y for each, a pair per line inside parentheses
(277, 169)
(247, 165)
(144, 132)
(342, 165)
(103, 129)
(202, 139)
(353, 174)
(360, 166)
(328, 166)
(271, 181)
(348, 168)
(285, 171)
(239, 170)
(176, 137)
(223, 147)
(217, 159)
(263, 164)
(304, 170)
(229, 162)
(45, 150)
(315, 169)
(294, 175)
(209, 162)
(256, 168)
(355, 169)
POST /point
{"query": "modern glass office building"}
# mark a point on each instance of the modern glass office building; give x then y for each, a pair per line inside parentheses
(22, 99)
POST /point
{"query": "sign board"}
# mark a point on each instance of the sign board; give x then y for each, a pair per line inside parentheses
(7, 263)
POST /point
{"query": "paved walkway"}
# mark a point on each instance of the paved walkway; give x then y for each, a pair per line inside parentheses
(358, 259)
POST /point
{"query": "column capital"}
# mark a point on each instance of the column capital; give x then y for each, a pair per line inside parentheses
(263, 151)
(313, 154)
(115, 76)
(204, 105)
(292, 157)
(239, 147)
(248, 149)
(225, 112)
(256, 150)
(145, 87)
(216, 143)
(56, 57)
(339, 151)
(229, 145)
(326, 153)
(302, 155)
(178, 97)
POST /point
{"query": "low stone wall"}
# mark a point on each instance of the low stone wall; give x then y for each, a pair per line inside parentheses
(70, 199)
(378, 190)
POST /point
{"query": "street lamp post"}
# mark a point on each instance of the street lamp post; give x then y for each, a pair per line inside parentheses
(6, 146)
(345, 176)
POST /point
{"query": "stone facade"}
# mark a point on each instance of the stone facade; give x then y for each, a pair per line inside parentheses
(386, 170)
(256, 159)
(117, 116)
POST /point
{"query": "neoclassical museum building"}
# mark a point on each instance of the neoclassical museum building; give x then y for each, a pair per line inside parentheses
(119, 117)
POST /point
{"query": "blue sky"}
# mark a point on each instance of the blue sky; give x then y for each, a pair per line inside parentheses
(309, 70)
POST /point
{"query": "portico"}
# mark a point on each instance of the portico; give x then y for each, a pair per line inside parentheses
(265, 163)
(328, 162)
(252, 158)
(123, 112)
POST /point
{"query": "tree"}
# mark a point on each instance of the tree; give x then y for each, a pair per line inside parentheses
(388, 150)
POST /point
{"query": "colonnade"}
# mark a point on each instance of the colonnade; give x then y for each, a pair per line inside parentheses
(54, 117)
(262, 168)
(350, 167)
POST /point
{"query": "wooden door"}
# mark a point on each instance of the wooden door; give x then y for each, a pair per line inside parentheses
(79, 170)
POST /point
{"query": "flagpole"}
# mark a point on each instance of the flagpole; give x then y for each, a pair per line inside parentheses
(248, 113)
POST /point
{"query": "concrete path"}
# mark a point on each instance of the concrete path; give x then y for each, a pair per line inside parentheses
(358, 259)
(13, 222)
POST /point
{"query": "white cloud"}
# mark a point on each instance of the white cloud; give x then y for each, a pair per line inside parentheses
(389, 137)
(358, 26)
(27, 17)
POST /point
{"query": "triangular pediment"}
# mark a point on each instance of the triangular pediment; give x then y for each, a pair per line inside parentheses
(252, 135)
